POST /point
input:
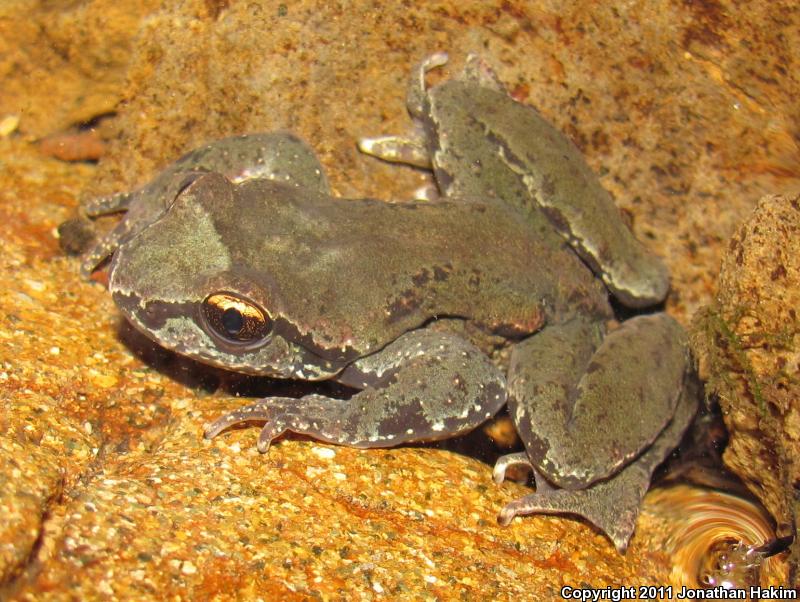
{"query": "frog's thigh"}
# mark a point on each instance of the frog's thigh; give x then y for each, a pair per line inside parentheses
(613, 505)
(584, 413)
(424, 386)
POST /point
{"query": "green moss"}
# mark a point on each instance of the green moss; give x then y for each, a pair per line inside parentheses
(717, 336)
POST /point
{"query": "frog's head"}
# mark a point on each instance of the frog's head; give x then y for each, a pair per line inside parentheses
(178, 282)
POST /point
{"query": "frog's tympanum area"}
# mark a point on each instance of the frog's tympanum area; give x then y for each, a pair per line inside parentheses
(239, 256)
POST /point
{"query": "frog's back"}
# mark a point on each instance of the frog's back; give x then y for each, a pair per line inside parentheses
(382, 269)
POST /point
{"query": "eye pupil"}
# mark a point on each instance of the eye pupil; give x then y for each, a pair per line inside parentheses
(235, 319)
(232, 321)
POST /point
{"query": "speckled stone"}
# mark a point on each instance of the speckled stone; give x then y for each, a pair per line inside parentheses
(749, 340)
(686, 109)
(64, 62)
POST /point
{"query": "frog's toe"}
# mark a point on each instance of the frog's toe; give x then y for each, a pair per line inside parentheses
(278, 414)
(253, 412)
(616, 518)
(270, 431)
(508, 461)
(411, 150)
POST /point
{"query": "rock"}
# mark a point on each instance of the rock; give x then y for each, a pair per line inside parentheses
(685, 109)
(749, 342)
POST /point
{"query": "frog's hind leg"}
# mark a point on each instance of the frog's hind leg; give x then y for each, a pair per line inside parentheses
(424, 386)
(411, 149)
(611, 505)
(585, 406)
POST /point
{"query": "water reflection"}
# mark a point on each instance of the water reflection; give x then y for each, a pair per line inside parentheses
(717, 539)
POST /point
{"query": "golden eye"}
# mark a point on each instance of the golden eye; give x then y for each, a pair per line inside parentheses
(235, 319)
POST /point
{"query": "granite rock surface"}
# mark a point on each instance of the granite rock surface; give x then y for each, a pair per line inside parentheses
(687, 110)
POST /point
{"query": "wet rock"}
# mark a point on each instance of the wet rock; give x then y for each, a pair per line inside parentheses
(749, 343)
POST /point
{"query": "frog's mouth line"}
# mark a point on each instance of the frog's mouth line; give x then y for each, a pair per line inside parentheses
(282, 354)
(335, 355)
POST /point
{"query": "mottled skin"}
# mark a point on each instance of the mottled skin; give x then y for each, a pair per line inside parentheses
(404, 302)
(597, 411)
(479, 141)
(299, 254)
(277, 156)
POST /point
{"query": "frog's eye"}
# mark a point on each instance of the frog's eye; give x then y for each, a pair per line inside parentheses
(235, 319)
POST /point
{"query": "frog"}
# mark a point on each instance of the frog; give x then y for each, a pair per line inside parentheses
(434, 314)
(481, 143)
(277, 155)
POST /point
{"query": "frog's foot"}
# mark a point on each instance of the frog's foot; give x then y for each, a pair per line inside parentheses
(313, 415)
(411, 150)
(612, 506)
(76, 235)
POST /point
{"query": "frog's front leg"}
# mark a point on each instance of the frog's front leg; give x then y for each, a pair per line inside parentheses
(142, 207)
(424, 386)
(585, 409)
